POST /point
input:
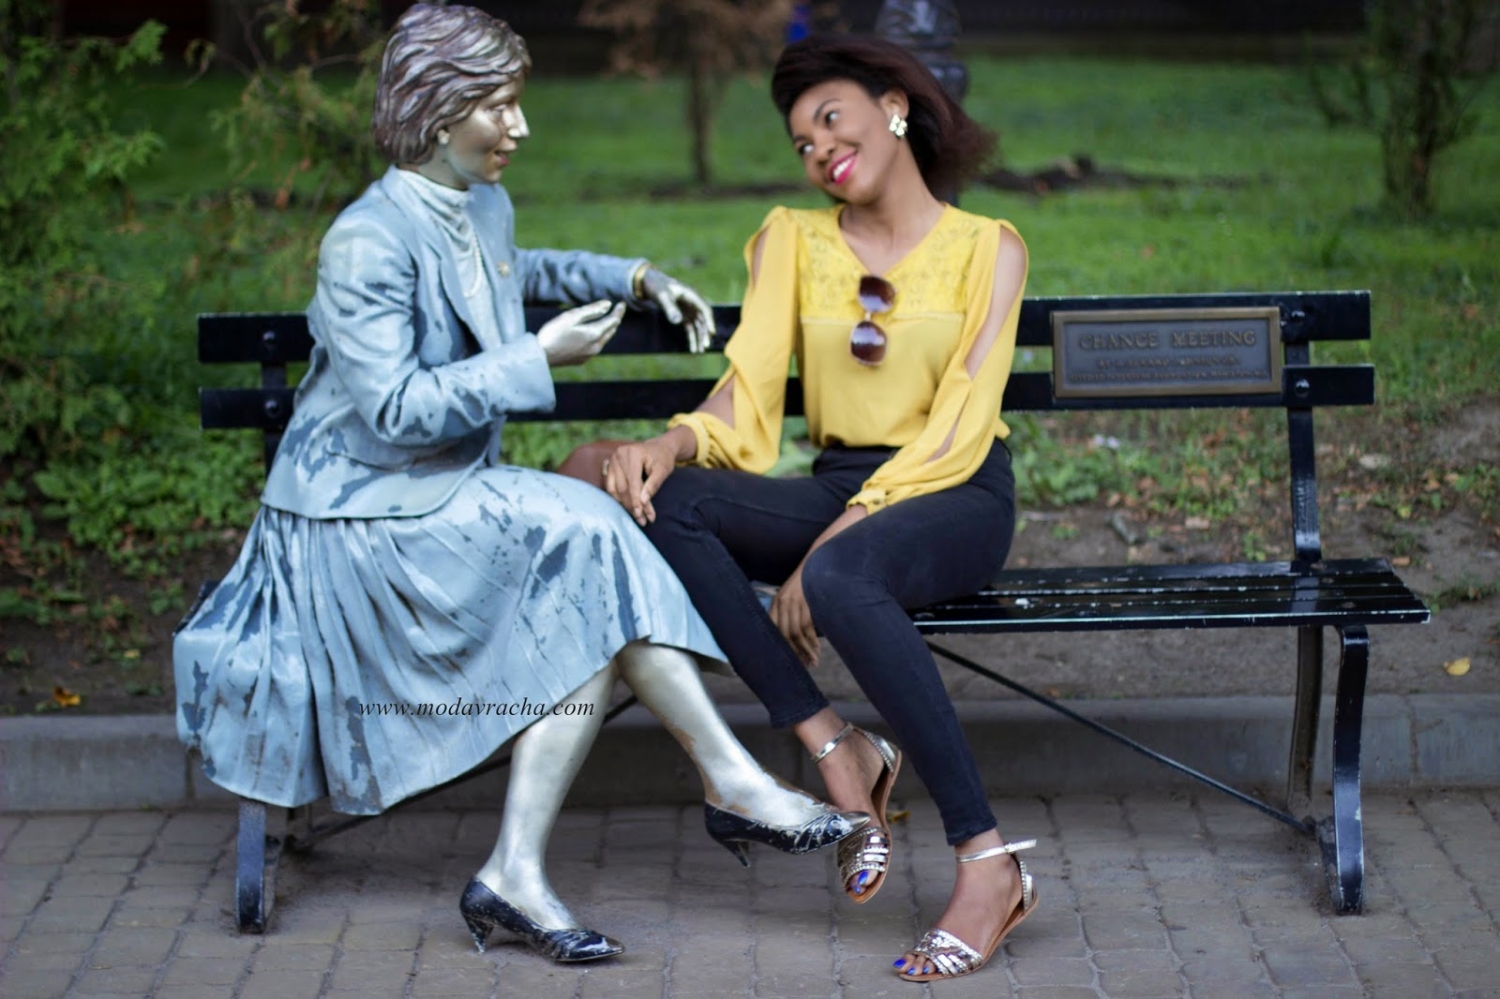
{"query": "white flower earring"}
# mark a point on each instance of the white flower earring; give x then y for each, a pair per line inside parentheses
(898, 126)
(442, 138)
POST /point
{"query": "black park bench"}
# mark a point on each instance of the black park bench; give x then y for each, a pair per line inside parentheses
(1137, 352)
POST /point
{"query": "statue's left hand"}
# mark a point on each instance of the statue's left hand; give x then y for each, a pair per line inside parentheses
(682, 305)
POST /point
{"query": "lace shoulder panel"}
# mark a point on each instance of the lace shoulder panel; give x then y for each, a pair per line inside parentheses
(933, 278)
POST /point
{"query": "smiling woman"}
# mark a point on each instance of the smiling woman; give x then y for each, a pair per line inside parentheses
(901, 312)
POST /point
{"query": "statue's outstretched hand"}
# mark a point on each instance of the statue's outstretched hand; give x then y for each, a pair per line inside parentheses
(578, 334)
(681, 305)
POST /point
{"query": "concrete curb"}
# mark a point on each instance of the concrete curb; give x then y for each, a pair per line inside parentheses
(1429, 740)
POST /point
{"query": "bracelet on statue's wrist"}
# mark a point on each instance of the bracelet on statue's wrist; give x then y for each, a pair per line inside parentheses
(638, 281)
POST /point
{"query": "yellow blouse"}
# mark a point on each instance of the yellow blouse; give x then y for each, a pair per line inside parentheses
(804, 304)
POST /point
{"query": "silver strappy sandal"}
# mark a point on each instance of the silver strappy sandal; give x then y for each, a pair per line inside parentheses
(867, 852)
(950, 956)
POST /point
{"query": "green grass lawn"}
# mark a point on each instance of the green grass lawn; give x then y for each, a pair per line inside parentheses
(1271, 200)
(1284, 203)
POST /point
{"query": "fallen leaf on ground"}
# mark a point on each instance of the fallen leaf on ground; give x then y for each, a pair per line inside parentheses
(1196, 523)
(900, 816)
(1401, 560)
(1457, 667)
(65, 698)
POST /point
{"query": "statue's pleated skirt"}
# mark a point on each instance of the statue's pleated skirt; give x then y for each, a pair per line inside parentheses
(369, 660)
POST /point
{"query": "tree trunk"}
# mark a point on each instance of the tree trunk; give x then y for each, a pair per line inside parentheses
(701, 121)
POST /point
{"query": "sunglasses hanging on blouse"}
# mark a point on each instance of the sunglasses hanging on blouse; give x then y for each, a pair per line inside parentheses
(867, 341)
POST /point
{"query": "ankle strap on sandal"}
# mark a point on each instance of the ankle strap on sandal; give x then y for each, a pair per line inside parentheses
(833, 743)
(996, 851)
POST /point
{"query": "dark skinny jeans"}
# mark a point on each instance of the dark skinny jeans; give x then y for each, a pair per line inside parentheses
(719, 529)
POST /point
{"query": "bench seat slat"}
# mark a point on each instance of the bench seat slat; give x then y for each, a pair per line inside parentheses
(1252, 594)
(958, 624)
(1391, 593)
(995, 622)
(1387, 599)
(1075, 575)
(1207, 589)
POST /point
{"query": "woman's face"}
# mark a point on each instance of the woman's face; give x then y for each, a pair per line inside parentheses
(478, 147)
(844, 139)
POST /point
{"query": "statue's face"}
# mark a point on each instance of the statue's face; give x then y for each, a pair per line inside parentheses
(476, 149)
(842, 135)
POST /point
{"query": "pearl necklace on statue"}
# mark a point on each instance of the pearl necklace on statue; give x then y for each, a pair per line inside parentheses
(449, 207)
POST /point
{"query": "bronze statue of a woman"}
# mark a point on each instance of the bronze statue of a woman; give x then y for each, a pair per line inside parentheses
(396, 560)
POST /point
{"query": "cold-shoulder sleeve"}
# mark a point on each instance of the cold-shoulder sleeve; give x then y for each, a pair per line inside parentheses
(759, 353)
(966, 407)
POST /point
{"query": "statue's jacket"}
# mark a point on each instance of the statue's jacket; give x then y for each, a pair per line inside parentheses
(403, 596)
(406, 394)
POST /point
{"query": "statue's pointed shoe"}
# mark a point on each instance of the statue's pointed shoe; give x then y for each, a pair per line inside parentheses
(824, 827)
(484, 912)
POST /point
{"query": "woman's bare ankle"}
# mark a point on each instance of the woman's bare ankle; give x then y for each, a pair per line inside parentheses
(816, 732)
(851, 769)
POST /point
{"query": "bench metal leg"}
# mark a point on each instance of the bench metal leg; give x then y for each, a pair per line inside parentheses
(1342, 836)
(257, 856)
(1299, 771)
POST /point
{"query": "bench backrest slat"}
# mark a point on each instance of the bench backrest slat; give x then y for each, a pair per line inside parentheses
(282, 337)
(253, 338)
(1027, 391)
(1305, 315)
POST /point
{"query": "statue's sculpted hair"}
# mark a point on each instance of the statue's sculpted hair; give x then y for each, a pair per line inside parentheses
(949, 146)
(439, 63)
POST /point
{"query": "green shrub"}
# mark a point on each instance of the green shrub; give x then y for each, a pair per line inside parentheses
(305, 109)
(86, 435)
(63, 169)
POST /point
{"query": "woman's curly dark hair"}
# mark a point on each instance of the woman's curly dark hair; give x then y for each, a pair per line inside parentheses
(950, 147)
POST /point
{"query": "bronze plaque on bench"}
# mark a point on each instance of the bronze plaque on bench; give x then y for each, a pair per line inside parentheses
(1123, 352)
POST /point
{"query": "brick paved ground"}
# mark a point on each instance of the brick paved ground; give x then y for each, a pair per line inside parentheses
(1146, 895)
